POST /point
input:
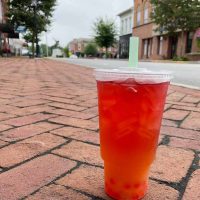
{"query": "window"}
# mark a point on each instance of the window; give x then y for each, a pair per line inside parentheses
(189, 42)
(126, 25)
(147, 47)
(160, 45)
(1, 11)
(130, 24)
(122, 27)
(138, 16)
(79, 46)
(146, 13)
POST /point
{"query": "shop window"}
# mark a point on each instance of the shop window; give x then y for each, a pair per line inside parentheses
(1, 11)
(138, 16)
(160, 45)
(189, 42)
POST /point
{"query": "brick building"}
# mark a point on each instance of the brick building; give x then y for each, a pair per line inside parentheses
(6, 30)
(77, 46)
(155, 45)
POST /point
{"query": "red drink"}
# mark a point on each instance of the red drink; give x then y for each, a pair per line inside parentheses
(130, 119)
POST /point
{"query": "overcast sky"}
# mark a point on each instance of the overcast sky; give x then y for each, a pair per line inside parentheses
(74, 18)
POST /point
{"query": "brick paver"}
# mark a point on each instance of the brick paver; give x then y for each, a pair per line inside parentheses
(192, 190)
(55, 192)
(192, 122)
(49, 140)
(173, 114)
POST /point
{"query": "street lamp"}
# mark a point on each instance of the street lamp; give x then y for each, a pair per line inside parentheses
(35, 5)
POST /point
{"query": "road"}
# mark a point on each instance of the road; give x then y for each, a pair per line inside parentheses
(184, 74)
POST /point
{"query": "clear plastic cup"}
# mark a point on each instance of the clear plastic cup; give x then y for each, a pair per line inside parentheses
(131, 104)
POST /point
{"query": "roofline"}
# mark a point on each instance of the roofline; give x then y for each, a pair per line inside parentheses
(125, 11)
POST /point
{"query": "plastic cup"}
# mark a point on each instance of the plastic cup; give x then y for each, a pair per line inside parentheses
(131, 104)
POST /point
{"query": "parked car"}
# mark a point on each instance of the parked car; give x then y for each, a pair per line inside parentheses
(73, 56)
(25, 52)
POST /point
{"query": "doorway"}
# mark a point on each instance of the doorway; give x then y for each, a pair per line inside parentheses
(173, 41)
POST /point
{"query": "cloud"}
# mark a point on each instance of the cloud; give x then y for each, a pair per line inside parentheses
(74, 18)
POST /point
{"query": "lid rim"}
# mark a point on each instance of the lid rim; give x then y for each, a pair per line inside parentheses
(139, 74)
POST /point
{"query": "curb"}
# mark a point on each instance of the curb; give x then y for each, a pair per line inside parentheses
(186, 86)
(171, 61)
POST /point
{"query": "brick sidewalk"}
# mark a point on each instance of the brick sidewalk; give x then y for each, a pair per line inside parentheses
(49, 142)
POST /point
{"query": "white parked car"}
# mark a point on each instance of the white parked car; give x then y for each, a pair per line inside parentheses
(24, 52)
(73, 56)
(57, 53)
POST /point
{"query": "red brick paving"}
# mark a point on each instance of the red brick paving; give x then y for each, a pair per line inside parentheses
(192, 121)
(49, 141)
(82, 152)
(55, 192)
(192, 190)
(173, 114)
(165, 166)
(29, 177)
(78, 134)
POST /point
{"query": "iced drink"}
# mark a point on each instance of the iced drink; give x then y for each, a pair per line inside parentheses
(130, 113)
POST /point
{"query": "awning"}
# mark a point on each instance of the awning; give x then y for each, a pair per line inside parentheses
(13, 35)
(6, 28)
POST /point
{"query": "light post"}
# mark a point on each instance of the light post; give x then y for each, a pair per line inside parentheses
(35, 4)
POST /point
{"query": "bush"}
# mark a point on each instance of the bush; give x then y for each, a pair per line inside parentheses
(180, 58)
(91, 49)
(198, 43)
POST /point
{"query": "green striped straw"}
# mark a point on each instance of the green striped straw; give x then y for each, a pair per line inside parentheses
(133, 52)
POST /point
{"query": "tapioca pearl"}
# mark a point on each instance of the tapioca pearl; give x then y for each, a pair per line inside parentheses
(135, 197)
(140, 185)
(110, 192)
(128, 186)
(137, 185)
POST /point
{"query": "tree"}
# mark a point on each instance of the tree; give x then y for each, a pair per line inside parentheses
(173, 16)
(66, 51)
(105, 33)
(91, 49)
(33, 14)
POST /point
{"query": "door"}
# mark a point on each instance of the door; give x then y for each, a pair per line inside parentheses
(173, 41)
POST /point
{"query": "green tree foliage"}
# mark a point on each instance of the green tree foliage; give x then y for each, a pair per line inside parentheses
(172, 16)
(91, 49)
(66, 51)
(105, 33)
(28, 37)
(35, 17)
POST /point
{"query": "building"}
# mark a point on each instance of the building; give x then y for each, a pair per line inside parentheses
(112, 52)
(6, 30)
(156, 45)
(77, 46)
(126, 25)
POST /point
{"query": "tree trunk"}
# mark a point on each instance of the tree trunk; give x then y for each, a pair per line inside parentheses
(182, 40)
(106, 52)
(33, 46)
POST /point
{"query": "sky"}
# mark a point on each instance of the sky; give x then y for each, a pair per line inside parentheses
(74, 18)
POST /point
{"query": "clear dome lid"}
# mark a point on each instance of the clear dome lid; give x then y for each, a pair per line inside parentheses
(140, 75)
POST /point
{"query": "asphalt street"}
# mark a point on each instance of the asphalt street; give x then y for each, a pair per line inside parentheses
(187, 74)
